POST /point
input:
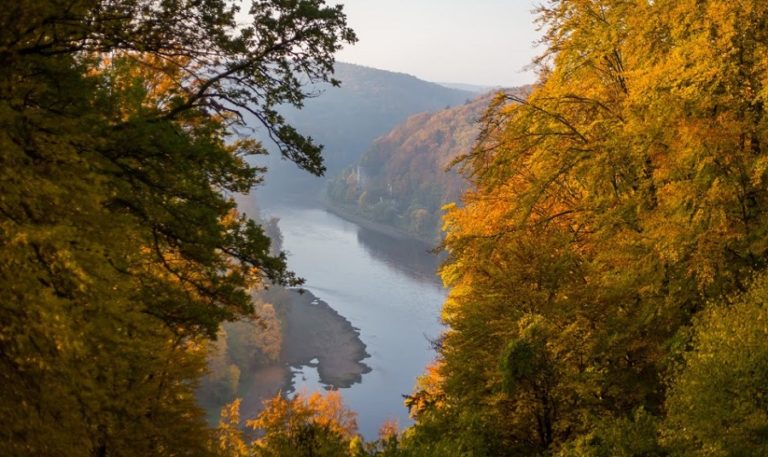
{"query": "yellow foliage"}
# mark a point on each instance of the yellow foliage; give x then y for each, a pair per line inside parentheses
(613, 202)
(288, 414)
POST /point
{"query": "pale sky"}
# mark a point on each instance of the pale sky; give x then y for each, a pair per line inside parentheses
(483, 42)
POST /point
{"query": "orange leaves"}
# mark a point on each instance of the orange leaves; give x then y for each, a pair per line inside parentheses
(307, 424)
(229, 435)
(428, 392)
(288, 415)
(622, 195)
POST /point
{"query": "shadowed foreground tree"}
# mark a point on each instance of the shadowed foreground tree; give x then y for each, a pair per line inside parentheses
(718, 397)
(120, 249)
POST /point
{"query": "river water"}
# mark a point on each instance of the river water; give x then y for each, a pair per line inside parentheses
(385, 286)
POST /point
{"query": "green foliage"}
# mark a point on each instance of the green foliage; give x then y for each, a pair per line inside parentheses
(524, 360)
(717, 400)
(122, 252)
(635, 436)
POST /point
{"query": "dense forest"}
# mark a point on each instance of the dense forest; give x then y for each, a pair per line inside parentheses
(606, 265)
(606, 294)
(122, 250)
(405, 177)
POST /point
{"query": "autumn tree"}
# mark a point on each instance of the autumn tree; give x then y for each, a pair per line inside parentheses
(304, 425)
(607, 209)
(717, 401)
(121, 249)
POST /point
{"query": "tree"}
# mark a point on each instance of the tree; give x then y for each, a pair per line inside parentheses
(717, 402)
(121, 249)
(610, 205)
(305, 425)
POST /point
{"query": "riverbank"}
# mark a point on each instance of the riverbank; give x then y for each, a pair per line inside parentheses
(313, 335)
(384, 285)
(384, 229)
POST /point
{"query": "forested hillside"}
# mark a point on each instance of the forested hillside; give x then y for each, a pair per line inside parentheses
(346, 120)
(405, 177)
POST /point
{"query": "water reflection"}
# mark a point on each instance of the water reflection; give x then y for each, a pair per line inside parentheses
(413, 257)
(384, 286)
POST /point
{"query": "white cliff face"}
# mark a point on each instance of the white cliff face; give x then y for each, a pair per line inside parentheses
(360, 178)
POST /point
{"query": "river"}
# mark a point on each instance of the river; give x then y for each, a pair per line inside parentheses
(385, 286)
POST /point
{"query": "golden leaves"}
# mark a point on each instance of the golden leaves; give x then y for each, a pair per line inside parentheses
(288, 415)
(626, 191)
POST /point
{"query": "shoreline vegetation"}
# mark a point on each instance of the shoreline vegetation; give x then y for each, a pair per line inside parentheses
(314, 335)
(358, 219)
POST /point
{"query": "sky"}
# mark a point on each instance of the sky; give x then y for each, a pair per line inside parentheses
(482, 42)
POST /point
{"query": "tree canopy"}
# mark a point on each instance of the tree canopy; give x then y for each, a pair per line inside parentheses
(122, 139)
(609, 208)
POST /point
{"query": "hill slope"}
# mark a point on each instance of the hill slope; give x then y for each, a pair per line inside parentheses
(347, 119)
(402, 180)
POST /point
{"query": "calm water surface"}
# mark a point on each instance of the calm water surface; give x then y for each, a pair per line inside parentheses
(384, 286)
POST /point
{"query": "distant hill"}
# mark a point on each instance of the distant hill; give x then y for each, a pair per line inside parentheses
(402, 180)
(347, 119)
(470, 87)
